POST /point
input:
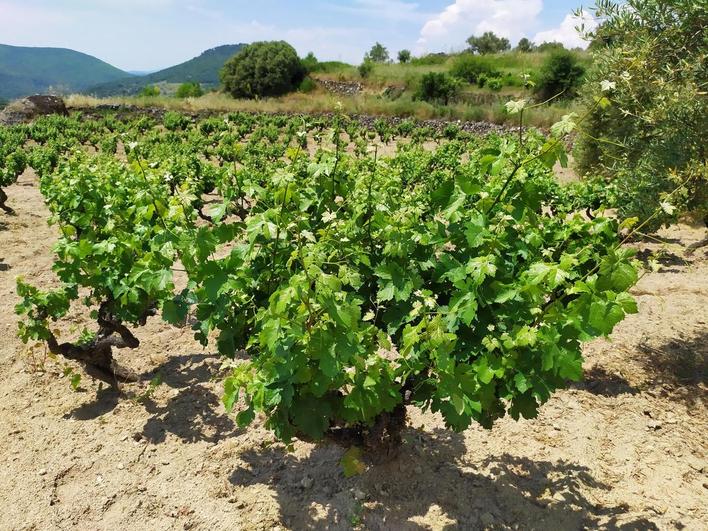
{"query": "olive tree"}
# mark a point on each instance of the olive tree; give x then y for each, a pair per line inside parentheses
(646, 135)
(263, 69)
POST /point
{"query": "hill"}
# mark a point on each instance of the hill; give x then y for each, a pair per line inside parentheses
(29, 70)
(203, 69)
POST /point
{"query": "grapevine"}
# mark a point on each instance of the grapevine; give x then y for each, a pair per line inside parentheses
(342, 284)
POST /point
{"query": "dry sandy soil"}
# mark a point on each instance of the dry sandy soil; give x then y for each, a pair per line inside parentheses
(626, 449)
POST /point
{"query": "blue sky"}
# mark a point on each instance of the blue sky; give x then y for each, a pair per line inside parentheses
(152, 34)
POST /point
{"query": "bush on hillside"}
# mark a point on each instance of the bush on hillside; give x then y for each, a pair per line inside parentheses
(308, 85)
(470, 67)
(150, 91)
(310, 63)
(366, 68)
(561, 73)
(191, 89)
(495, 84)
(263, 69)
(437, 87)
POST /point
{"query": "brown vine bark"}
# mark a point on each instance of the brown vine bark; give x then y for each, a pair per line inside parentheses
(381, 442)
(3, 199)
(97, 356)
(695, 246)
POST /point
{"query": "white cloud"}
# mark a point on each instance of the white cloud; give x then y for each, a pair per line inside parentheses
(393, 10)
(450, 28)
(566, 32)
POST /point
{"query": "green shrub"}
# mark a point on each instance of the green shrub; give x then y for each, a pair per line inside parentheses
(647, 135)
(437, 87)
(191, 89)
(310, 63)
(495, 84)
(150, 91)
(366, 68)
(308, 85)
(469, 67)
(263, 69)
(560, 74)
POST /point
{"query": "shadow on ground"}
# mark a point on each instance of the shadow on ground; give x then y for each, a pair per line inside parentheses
(600, 381)
(669, 262)
(501, 491)
(106, 400)
(678, 366)
(191, 412)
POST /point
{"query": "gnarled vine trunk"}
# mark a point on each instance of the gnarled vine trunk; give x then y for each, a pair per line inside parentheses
(97, 356)
(3, 199)
(381, 441)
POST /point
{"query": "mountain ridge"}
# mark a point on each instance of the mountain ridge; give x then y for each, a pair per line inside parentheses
(203, 69)
(26, 70)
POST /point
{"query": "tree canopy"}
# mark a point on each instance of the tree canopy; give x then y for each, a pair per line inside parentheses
(525, 46)
(487, 43)
(560, 75)
(404, 56)
(263, 69)
(378, 54)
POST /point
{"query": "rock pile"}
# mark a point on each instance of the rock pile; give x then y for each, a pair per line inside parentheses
(27, 109)
(344, 88)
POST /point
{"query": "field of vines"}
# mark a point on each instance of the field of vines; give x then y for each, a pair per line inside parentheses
(245, 321)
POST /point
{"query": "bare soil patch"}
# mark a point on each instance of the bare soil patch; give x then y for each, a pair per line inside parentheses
(625, 449)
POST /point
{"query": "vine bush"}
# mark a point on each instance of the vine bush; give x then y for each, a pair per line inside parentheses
(342, 285)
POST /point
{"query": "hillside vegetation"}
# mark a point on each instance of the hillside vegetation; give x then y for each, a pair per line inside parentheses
(29, 70)
(388, 89)
(203, 69)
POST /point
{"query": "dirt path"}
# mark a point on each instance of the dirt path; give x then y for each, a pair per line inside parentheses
(625, 449)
